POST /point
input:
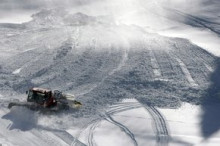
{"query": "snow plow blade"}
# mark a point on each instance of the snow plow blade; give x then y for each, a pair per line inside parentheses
(76, 104)
(70, 100)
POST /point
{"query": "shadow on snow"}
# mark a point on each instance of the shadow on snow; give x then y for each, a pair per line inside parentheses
(210, 118)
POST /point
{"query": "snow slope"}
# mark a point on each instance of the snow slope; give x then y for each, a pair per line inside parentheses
(138, 85)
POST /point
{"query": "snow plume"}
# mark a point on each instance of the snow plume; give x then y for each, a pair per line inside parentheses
(138, 12)
(166, 17)
(147, 13)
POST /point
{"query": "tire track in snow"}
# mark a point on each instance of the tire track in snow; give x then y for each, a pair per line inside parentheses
(160, 126)
(49, 138)
(122, 127)
(200, 57)
(166, 67)
(208, 73)
(119, 105)
(210, 69)
(162, 133)
(122, 108)
(75, 37)
(91, 126)
(120, 65)
(75, 141)
(159, 122)
(205, 69)
(186, 73)
(68, 138)
(199, 62)
(91, 133)
(155, 65)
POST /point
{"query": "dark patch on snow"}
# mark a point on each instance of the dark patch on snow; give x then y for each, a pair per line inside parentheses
(210, 118)
(21, 118)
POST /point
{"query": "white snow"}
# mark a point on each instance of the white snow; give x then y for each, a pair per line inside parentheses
(122, 60)
(184, 125)
(201, 37)
(118, 131)
(16, 17)
(17, 71)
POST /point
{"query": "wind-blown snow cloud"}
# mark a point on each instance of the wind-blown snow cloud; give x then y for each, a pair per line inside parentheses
(18, 11)
(7, 5)
(152, 15)
(124, 11)
(36, 4)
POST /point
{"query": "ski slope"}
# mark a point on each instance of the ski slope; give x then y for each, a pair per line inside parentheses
(146, 74)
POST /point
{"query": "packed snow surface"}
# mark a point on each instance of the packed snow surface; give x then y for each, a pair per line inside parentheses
(146, 72)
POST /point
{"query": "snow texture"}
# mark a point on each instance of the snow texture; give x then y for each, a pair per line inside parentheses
(147, 73)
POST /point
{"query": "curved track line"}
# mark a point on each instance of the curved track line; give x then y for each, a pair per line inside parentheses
(91, 132)
(159, 122)
(107, 117)
(160, 125)
(123, 108)
(74, 143)
(122, 127)
(68, 138)
(162, 133)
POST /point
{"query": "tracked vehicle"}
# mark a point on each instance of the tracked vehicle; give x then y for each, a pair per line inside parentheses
(45, 99)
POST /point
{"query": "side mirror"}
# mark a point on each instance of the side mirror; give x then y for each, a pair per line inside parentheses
(26, 92)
